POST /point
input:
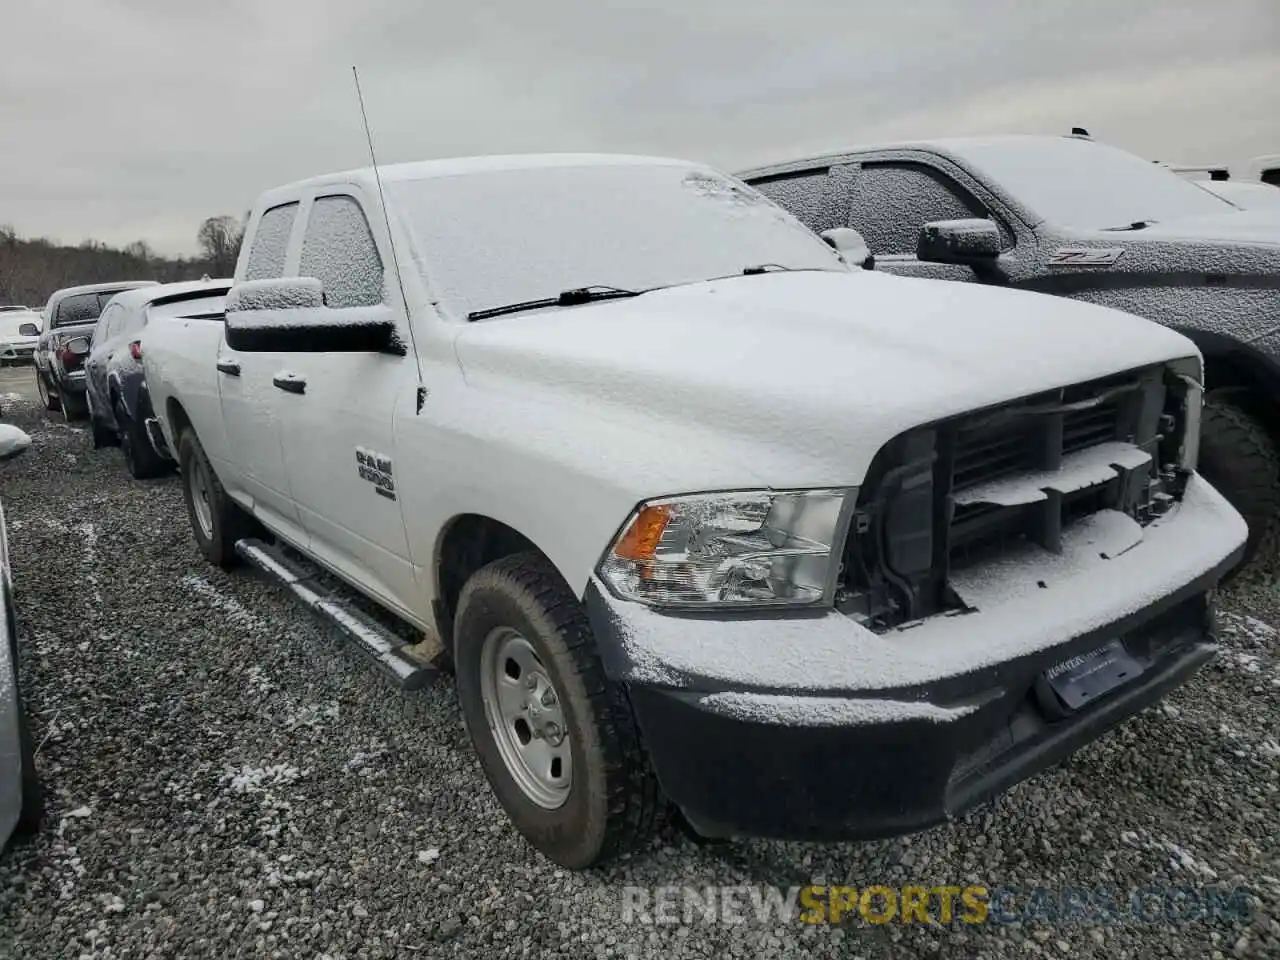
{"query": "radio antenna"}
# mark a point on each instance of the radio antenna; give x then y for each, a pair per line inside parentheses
(391, 240)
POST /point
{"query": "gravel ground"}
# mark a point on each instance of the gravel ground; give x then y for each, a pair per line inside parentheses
(225, 779)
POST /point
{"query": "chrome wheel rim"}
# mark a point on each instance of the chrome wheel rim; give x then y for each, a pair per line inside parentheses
(199, 486)
(525, 713)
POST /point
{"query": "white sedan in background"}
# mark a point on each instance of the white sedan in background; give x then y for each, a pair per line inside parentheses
(19, 332)
(20, 802)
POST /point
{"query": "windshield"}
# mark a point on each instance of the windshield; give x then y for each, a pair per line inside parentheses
(1082, 183)
(492, 238)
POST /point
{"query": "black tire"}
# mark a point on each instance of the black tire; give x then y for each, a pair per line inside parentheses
(1239, 457)
(74, 407)
(613, 802)
(102, 435)
(228, 521)
(47, 396)
(140, 458)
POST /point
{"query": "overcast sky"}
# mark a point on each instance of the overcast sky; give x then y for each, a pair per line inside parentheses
(135, 119)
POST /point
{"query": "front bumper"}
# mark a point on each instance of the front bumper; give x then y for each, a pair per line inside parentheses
(813, 728)
(17, 352)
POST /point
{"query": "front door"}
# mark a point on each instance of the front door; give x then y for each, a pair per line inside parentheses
(339, 411)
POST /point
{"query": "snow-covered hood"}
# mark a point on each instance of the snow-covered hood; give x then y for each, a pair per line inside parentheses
(17, 340)
(826, 366)
(1247, 227)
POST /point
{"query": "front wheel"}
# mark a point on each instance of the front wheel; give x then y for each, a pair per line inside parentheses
(217, 521)
(1239, 457)
(47, 396)
(557, 740)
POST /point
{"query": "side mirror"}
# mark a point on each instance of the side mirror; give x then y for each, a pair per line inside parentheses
(849, 244)
(12, 441)
(28, 330)
(289, 315)
(974, 243)
(78, 346)
(285, 293)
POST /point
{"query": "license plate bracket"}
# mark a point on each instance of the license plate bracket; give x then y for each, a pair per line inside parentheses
(1082, 679)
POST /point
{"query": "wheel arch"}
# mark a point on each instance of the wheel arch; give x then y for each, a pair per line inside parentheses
(467, 542)
(1249, 374)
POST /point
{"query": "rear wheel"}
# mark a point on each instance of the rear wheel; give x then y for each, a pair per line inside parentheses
(555, 737)
(217, 521)
(47, 396)
(140, 458)
(74, 406)
(1239, 457)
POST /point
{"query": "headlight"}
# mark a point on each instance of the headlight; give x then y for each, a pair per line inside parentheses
(749, 548)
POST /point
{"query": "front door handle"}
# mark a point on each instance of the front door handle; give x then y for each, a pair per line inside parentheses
(229, 367)
(290, 382)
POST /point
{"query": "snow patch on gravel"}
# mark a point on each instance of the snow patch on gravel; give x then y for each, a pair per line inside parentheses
(236, 611)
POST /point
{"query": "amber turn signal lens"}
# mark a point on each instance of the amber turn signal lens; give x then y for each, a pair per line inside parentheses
(640, 542)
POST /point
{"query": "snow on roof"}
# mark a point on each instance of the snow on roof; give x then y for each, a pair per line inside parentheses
(464, 166)
(102, 287)
(141, 296)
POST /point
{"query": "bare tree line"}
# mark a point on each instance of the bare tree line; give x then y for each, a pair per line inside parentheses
(31, 269)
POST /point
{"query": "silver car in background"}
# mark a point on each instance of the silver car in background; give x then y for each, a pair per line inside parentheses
(20, 800)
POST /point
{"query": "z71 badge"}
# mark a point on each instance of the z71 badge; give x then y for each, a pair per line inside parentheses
(1085, 256)
(376, 468)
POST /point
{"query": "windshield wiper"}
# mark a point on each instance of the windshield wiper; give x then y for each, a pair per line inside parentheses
(760, 268)
(1136, 225)
(565, 298)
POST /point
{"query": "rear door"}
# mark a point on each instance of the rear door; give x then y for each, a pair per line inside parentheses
(338, 416)
(250, 404)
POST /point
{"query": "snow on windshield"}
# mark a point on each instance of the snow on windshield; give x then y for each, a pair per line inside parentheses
(492, 238)
(1082, 183)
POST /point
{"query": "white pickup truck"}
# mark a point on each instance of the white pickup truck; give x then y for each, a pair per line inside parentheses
(703, 516)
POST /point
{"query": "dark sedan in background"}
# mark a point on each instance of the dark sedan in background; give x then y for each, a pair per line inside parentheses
(116, 389)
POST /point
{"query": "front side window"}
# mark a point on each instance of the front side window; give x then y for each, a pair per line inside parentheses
(804, 195)
(338, 249)
(271, 243)
(890, 202)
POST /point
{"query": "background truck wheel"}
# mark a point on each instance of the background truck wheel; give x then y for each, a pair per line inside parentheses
(555, 737)
(1239, 457)
(140, 458)
(217, 521)
(49, 400)
(74, 406)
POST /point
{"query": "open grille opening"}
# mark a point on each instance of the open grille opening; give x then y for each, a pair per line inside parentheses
(961, 511)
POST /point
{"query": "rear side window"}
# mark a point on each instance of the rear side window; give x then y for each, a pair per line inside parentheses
(271, 243)
(81, 307)
(890, 202)
(338, 249)
(803, 195)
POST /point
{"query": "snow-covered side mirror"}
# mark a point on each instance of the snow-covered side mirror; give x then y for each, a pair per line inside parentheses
(282, 293)
(28, 330)
(959, 241)
(79, 346)
(849, 244)
(12, 441)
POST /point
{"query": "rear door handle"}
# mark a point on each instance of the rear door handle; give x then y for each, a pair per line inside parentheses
(290, 382)
(229, 367)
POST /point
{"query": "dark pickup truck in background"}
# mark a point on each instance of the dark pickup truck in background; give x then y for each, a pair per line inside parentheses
(1077, 218)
